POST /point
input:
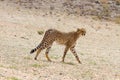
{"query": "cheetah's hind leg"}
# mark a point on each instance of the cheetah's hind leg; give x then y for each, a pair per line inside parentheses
(47, 52)
(38, 52)
(65, 51)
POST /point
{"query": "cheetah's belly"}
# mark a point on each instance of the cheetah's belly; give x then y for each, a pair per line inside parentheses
(61, 41)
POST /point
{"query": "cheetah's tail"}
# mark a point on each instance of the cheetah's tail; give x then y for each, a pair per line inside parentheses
(33, 50)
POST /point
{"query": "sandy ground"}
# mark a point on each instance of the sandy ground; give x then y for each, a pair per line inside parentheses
(99, 50)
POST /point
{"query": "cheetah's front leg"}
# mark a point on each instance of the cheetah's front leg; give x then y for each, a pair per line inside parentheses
(75, 54)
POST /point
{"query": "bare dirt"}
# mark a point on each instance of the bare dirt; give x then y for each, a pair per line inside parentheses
(99, 50)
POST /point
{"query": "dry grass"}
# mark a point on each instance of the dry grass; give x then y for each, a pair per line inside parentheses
(13, 67)
(104, 1)
(27, 58)
(12, 78)
(36, 65)
(40, 32)
(117, 2)
(117, 20)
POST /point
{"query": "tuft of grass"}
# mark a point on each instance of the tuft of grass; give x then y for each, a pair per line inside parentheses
(28, 58)
(12, 78)
(1, 66)
(95, 18)
(13, 67)
(93, 63)
(40, 32)
(37, 65)
(117, 20)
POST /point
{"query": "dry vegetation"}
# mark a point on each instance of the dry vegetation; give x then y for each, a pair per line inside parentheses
(105, 9)
(20, 27)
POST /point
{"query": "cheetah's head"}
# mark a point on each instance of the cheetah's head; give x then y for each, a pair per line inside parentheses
(81, 31)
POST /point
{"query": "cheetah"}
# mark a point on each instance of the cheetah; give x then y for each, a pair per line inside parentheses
(68, 39)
